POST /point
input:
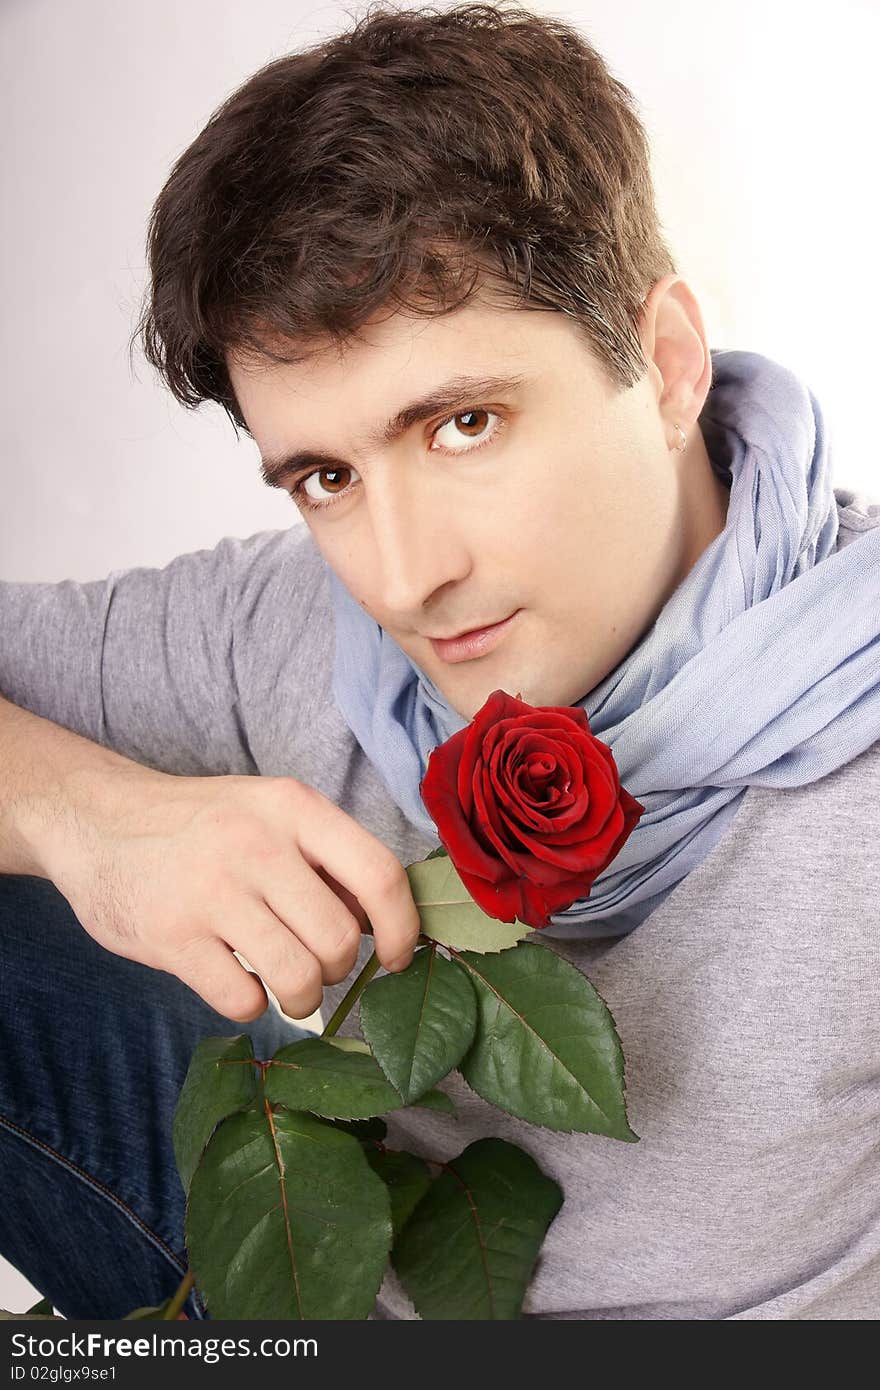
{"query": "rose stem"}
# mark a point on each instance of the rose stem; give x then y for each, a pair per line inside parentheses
(350, 999)
(347, 1003)
(177, 1302)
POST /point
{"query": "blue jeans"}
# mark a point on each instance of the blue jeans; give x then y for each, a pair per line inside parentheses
(94, 1049)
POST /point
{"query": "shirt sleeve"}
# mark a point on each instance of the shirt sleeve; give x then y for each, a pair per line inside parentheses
(143, 661)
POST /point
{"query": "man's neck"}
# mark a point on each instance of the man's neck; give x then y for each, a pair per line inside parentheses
(705, 501)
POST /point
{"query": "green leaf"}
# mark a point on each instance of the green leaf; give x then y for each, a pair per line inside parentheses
(436, 1100)
(286, 1219)
(407, 1179)
(440, 853)
(312, 1074)
(546, 1048)
(419, 1022)
(375, 1128)
(449, 914)
(468, 1249)
(219, 1082)
(362, 1129)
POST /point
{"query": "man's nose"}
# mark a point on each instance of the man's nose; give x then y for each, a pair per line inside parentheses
(418, 545)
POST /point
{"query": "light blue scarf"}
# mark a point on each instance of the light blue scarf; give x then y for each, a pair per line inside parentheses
(763, 667)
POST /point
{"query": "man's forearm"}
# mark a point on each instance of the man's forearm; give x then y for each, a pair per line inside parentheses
(39, 764)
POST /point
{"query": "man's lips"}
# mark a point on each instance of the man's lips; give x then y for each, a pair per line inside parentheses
(477, 642)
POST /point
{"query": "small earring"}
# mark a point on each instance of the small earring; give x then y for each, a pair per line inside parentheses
(680, 448)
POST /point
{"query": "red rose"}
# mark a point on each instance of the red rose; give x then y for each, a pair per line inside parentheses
(529, 805)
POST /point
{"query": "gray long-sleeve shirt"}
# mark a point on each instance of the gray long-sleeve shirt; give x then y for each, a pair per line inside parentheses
(751, 1031)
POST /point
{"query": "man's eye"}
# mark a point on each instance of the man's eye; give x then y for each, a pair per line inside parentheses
(469, 426)
(321, 487)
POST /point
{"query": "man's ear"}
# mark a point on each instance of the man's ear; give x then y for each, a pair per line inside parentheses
(674, 343)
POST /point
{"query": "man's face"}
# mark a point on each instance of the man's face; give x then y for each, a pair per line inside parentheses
(546, 492)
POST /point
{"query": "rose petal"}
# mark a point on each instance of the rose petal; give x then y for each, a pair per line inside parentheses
(520, 802)
(496, 831)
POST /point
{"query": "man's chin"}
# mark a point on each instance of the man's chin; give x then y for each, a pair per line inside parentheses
(467, 703)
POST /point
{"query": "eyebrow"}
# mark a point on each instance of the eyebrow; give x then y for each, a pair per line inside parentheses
(458, 391)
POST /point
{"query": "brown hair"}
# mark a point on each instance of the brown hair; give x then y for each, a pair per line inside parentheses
(400, 165)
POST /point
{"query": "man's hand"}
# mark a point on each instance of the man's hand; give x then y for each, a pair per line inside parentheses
(177, 872)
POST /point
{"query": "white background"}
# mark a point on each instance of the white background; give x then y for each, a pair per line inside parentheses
(762, 120)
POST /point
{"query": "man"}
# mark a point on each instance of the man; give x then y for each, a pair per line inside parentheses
(421, 266)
